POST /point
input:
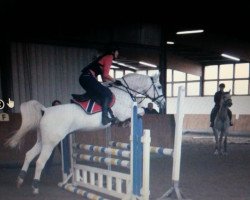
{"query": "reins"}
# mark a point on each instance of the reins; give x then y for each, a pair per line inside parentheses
(144, 95)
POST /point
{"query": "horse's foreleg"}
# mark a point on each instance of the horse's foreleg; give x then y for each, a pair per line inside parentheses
(225, 145)
(40, 163)
(220, 141)
(30, 155)
(216, 142)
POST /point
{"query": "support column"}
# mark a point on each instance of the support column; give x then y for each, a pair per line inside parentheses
(163, 62)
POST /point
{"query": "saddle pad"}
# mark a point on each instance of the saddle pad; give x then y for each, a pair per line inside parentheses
(90, 106)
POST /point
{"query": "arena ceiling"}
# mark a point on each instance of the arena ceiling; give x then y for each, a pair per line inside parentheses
(60, 26)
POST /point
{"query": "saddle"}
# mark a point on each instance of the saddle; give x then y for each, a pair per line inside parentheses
(90, 106)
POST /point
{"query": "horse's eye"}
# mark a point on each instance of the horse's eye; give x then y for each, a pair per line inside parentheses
(159, 87)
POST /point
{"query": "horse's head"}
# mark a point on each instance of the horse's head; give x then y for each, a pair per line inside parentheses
(155, 92)
(226, 99)
(148, 87)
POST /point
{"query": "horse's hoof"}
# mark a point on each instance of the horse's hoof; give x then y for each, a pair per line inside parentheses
(35, 191)
(216, 152)
(19, 182)
(35, 186)
(225, 153)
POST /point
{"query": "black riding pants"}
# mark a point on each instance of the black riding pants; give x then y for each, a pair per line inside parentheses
(94, 88)
(215, 111)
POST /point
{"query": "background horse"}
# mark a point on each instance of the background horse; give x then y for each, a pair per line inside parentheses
(222, 123)
(54, 123)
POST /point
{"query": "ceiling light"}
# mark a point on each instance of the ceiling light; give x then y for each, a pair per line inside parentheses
(189, 32)
(147, 64)
(114, 67)
(230, 57)
(125, 65)
(170, 42)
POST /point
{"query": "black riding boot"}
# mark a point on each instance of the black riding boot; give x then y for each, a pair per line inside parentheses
(212, 117)
(229, 112)
(113, 118)
(105, 117)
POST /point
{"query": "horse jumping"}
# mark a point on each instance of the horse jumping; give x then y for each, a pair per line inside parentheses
(54, 123)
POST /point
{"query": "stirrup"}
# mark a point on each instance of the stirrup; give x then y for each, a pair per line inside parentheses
(114, 120)
(106, 120)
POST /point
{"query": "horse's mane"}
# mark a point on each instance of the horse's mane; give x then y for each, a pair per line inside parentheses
(139, 75)
(131, 75)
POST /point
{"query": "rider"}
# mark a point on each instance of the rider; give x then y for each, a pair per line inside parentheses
(94, 89)
(217, 99)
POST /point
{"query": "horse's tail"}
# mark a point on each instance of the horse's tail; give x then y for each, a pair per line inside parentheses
(31, 112)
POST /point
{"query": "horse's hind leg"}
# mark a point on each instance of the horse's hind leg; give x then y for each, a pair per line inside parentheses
(30, 155)
(225, 145)
(40, 163)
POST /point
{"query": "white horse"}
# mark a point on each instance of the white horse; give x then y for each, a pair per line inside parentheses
(54, 123)
(222, 123)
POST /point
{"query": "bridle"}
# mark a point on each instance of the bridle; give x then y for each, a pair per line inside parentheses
(143, 94)
(227, 101)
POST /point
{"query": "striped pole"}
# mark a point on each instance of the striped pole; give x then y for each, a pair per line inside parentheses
(103, 160)
(156, 150)
(119, 145)
(83, 193)
(110, 151)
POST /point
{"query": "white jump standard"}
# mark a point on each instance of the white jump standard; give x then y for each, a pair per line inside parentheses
(177, 149)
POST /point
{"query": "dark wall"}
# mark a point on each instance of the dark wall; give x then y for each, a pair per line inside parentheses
(184, 65)
(162, 129)
(5, 71)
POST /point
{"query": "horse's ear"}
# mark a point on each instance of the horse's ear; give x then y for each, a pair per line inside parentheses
(229, 91)
(156, 77)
